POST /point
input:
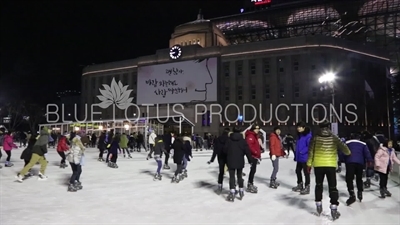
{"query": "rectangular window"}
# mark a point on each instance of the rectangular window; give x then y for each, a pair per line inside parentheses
(94, 79)
(134, 77)
(282, 90)
(266, 66)
(281, 70)
(314, 92)
(125, 79)
(267, 91)
(281, 65)
(227, 93)
(240, 93)
(109, 79)
(296, 90)
(253, 92)
(239, 68)
(226, 69)
(295, 66)
(252, 67)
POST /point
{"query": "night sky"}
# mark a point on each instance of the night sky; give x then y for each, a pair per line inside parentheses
(45, 44)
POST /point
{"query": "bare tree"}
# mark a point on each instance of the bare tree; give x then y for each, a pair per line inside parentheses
(34, 116)
(15, 111)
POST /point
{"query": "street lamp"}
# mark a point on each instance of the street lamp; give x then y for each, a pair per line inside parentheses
(329, 78)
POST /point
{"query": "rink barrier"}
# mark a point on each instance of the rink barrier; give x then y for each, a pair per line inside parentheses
(395, 174)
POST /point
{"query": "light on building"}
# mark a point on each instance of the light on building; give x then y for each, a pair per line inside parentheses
(126, 126)
(76, 128)
(100, 127)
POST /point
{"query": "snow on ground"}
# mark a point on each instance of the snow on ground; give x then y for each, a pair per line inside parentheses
(128, 195)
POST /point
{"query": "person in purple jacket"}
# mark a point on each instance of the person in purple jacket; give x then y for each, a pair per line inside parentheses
(302, 144)
(355, 164)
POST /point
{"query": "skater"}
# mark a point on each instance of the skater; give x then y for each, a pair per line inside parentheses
(385, 157)
(158, 151)
(373, 146)
(187, 154)
(109, 140)
(355, 164)
(275, 151)
(179, 152)
(113, 152)
(93, 139)
(62, 147)
(2, 131)
(323, 157)
(235, 149)
(255, 149)
(132, 142)
(123, 144)
(219, 152)
(26, 155)
(75, 157)
(101, 145)
(152, 142)
(39, 150)
(140, 142)
(301, 156)
(168, 146)
(8, 145)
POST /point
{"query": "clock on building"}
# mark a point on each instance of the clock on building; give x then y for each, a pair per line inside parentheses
(175, 52)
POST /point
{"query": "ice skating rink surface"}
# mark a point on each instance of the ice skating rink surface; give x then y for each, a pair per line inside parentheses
(128, 195)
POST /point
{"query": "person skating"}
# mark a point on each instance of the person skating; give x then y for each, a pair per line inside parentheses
(26, 155)
(373, 146)
(62, 147)
(275, 152)
(152, 143)
(140, 142)
(218, 151)
(123, 144)
(288, 142)
(168, 146)
(301, 156)
(8, 145)
(355, 164)
(109, 140)
(2, 131)
(235, 149)
(114, 146)
(384, 159)
(102, 145)
(39, 150)
(75, 158)
(323, 156)
(159, 149)
(187, 154)
(179, 153)
(255, 149)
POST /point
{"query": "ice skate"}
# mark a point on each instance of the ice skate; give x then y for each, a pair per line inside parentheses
(219, 190)
(100, 159)
(306, 190)
(387, 193)
(129, 156)
(360, 196)
(376, 177)
(166, 167)
(20, 178)
(175, 179)
(42, 176)
(181, 177)
(72, 188)
(334, 212)
(241, 195)
(382, 193)
(78, 185)
(124, 155)
(298, 188)
(157, 176)
(352, 198)
(230, 197)
(185, 175)
(339, 169)
(273, 184)
(367, 183)
(252, 189)
(319, 207)
(9, 164)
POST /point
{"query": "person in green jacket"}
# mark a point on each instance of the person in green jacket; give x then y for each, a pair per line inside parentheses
(123, 144)
(322, 155)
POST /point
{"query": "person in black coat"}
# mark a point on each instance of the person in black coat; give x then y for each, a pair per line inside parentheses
(26, 155)
(219, 144)
(168, 146)
(109, 138)
(102, 145)
(235, 149)
(373, 146)
(179, 153)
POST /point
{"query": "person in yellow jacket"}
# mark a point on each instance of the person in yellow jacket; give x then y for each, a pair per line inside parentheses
(123, 144)
(323, 155)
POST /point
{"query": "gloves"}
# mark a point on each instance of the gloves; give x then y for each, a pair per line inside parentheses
(273, 158)
(309, 169)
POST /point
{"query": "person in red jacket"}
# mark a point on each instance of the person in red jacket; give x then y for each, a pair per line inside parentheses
(62, 147)
(275, 151)
(255, 149)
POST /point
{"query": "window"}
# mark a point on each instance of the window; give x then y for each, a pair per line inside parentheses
(314, 92)
(281, 65)
(282, 90)
(86, 84)
(227, 93)
(239, 68)
(296, 90)
(295, 66)
(226, 69)
(125, 78)
(190, 42)
(134, 77)
(253, 92)
(240, 93)
(281, 70)
(266, 66)
(94, 82)
(252, 67)
(267, 91)
(109, 79)
(198, 41)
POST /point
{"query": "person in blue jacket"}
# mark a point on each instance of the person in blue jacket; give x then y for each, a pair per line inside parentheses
(302, 145)
(355, 164)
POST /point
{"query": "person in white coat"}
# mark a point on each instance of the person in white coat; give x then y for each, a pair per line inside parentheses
(152, 143)
(75, 157)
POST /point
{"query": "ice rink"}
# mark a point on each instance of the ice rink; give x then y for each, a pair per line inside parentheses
(128, 195)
